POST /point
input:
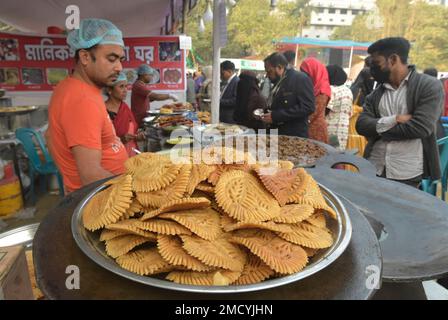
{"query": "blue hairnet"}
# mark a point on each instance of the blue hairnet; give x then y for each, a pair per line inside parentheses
(92, 32)
(145, 69)
(121, 77)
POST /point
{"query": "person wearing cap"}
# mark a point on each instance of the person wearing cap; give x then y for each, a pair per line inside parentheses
(121, 115)
(142, 95)
(81, 136)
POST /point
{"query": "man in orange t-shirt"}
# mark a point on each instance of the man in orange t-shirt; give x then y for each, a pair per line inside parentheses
(82, 138)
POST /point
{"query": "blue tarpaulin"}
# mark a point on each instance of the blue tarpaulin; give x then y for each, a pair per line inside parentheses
(337, 44)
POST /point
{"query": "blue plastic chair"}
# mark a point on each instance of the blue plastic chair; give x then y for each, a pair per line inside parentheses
(444, 120)
(30, 139)
(430, 186)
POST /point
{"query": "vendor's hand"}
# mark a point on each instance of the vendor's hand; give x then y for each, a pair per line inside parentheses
(267, 118)
(129, 137)
(403, 118)
(173, 96)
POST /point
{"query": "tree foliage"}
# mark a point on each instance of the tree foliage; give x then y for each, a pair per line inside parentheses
(252, 28)
(422, 24)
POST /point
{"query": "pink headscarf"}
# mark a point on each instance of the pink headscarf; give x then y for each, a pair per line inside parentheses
(319, 74)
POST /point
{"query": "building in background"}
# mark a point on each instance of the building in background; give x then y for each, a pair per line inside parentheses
(327, 15)
(441, 2)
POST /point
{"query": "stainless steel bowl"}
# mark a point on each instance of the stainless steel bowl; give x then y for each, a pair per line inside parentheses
(89, 243)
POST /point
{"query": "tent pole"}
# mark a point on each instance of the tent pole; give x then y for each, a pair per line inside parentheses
(297, 53)
(350, 63)
(184, 16)
(216, 79)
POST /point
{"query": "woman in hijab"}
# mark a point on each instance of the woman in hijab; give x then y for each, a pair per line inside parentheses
(248, 99)
(322, 91)
(121, 115)
(339, 109)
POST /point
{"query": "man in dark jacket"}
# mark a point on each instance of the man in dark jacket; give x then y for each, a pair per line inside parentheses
(248, 99)
(227, 102)
(400, 116)
(291, 100)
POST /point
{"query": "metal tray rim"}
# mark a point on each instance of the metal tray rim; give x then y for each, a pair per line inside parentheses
(341, 243)
(158, 113)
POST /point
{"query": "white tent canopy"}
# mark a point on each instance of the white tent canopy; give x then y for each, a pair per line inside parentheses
(133, 18)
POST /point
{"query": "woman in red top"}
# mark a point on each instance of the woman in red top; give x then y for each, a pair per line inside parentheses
(322, 91)
(121, 115)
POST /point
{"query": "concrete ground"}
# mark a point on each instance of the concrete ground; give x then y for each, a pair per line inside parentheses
(44, 204)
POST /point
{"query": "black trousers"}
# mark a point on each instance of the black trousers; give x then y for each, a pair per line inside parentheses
(414, 182)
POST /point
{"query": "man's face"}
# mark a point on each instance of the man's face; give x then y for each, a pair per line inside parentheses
(103, 64)
(382, 68)
(273, 73)
(225, 74)
(147, 78)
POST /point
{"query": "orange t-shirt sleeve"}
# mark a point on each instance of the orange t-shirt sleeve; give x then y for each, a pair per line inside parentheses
(83, 124)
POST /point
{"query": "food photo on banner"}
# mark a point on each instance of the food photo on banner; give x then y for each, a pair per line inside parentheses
(169, 51)
(9, 50)
(31, 63)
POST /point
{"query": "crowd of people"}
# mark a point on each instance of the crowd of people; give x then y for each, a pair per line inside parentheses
(322, 111)
(90, 138)
(401, 108)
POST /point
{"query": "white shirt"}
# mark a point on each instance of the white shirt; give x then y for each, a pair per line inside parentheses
(228, 82)
(402, 159)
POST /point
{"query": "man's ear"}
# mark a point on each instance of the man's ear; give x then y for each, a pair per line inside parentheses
(394, 59)
(84, 57)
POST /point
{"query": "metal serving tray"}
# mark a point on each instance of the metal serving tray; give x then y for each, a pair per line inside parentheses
(89, 243)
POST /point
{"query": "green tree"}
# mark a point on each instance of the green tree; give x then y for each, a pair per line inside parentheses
(395, 14)
(358, 31)
(422, 24)
(252, 27)
(390, 18)
(429, 37)
(254, 30)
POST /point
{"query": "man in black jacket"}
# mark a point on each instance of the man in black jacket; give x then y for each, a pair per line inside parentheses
(291, 100)
(400, 116)
(227, 102)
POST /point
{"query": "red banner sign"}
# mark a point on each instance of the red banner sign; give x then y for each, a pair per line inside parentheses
(29, 63)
